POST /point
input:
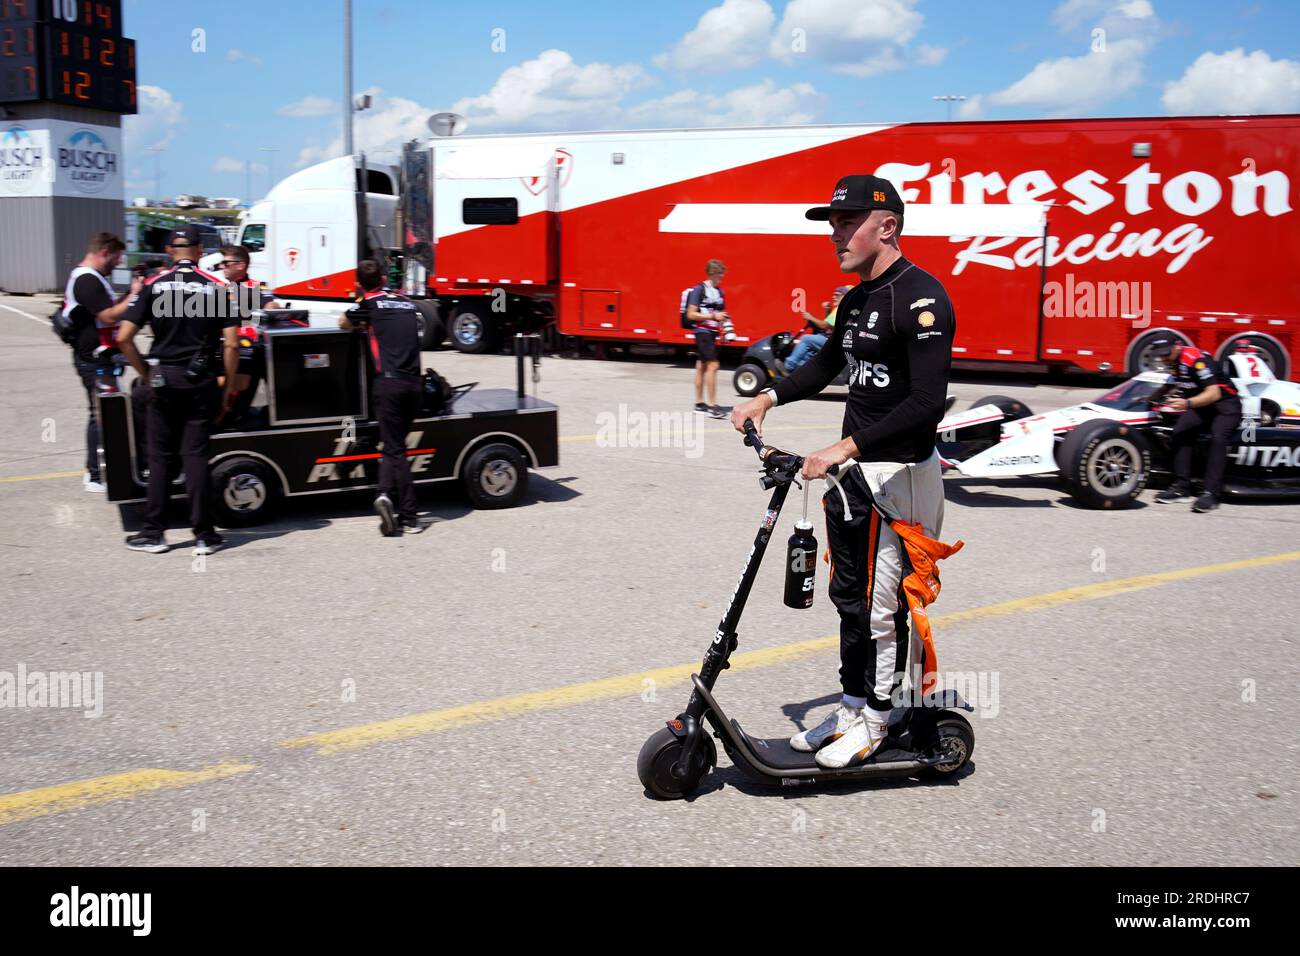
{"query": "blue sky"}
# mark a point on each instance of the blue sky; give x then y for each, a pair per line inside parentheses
(217, 87)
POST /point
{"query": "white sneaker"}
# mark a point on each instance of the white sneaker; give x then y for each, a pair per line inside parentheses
(89, 484)
(832, 728)
(858, 741)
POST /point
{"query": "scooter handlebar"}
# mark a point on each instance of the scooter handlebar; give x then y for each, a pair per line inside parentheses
(773, 456)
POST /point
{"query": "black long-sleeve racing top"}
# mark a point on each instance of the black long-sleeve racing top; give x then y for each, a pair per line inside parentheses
(895, 332)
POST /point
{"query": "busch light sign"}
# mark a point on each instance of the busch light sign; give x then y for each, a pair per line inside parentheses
(86, 162)
(23, 155)
(49, 157)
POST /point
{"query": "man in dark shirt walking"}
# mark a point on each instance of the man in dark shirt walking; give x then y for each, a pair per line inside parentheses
(894, 330)
(391, 323)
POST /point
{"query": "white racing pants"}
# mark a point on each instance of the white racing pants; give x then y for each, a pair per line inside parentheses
(868, 565)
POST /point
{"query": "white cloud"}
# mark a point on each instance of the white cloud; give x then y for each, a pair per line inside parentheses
(1235, 82)
(308, 107)
(927, 55)
(853, 37)
(972, 109)
(1072, 14)
(1114, 66)
(731, 36)
(159, 119)
(761, 104)
(156, 123)
(239, 56)
(379, 131)
(1077, 84)
(552, 90)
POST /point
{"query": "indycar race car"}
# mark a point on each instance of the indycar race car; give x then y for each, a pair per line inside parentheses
(1107, 450)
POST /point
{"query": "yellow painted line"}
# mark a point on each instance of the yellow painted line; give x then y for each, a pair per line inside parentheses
(45, 477)
(503, 708)
(27, 805)
(60, 798)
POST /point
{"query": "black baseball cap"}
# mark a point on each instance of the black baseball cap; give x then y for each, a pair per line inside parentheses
(859, 192)
(184, 234)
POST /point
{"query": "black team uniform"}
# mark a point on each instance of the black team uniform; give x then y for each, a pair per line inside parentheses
(181, 305)
(895, 333)
(391, 321)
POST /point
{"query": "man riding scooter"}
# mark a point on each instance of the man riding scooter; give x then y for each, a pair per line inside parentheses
(895, 331)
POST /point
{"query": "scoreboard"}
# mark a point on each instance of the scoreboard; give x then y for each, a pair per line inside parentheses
(70, 52)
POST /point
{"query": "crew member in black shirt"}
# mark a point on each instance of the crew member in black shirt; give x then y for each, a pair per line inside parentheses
(1209, 405)
(181, 304)
(894, 330)
(89, 302)
(391, 323)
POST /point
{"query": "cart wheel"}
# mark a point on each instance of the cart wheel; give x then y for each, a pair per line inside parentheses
(658, 755)
(1105, 464)
(245, 492)
(749, 379)
(495, 476)
(955, 740)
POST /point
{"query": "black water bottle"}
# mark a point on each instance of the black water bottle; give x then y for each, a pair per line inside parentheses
(801, 566)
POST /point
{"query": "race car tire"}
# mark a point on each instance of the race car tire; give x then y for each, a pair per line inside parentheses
(433, 331)
(245, 491)
(1141, 358)
(750, 379)
(471, 329)
(1268, 350)
(1105, 464)
(495, 476)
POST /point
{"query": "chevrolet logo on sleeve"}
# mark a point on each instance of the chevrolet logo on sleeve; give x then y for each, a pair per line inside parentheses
(919, 303)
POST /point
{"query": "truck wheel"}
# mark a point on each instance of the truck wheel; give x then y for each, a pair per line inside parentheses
(433, 331)
(1105, 464)
(495, 476)
(1142, 357)
(470, 330)
(1264, 348)
(245, 492)
(749, 379)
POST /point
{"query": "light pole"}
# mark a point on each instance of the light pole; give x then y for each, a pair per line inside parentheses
(270, 165)
(347, 78)
(949, 100)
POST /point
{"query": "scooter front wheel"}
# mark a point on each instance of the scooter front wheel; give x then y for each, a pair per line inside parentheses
(661, 752)
(955, 740)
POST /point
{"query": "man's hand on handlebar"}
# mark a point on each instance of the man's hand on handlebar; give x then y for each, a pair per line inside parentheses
(818, 463)
(752, 410)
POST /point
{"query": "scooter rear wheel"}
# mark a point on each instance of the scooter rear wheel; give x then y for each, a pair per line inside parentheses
(954, 739)
(658, 756)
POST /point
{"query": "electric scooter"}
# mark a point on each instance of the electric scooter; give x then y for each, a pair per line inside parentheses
(929, 740)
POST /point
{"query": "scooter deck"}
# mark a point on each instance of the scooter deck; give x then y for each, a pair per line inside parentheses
(777, 753)
(773, 756)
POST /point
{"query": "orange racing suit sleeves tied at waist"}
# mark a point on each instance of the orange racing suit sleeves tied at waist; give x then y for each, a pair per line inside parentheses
(921, 587)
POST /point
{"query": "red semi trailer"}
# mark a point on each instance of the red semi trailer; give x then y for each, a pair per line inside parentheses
(1062, 242)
